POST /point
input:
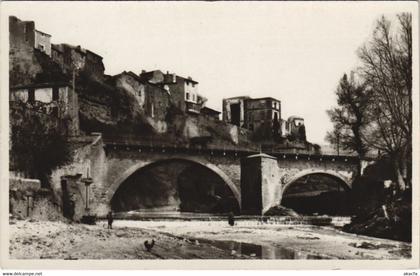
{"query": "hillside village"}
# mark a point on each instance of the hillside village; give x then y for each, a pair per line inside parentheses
(69, 83)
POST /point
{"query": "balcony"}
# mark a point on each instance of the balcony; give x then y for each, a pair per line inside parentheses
(191, 107)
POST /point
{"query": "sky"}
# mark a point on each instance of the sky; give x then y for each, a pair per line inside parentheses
(293, 51)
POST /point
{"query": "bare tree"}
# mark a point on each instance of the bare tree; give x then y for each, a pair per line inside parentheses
(386, 69)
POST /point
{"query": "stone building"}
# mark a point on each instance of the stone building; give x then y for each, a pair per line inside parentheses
(210, 113)
(183, 91)
(54, 99)
(24, 33)
(234, 110)
(75, 58)
(296, 126)
(261, 115)
(152, 98)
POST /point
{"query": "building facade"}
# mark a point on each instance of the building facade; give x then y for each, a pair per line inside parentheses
(262, 115)
(152, 99)
(54, 99)
(24, 33)
(77, 59)
(234, 110)
(183, 91)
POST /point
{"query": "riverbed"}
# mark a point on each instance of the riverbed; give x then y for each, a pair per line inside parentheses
(194, 240)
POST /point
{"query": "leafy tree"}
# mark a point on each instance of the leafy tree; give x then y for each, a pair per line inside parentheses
(386, 69)
(350, 118)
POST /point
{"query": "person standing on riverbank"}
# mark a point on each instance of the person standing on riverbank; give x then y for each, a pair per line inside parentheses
(231, 219)
(110, 219)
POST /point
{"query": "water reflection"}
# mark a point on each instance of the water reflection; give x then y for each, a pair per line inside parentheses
(261, 251)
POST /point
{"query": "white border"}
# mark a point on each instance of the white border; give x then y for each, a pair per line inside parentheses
(203, 264)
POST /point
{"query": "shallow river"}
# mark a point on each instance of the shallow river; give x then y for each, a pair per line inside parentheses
(273, 240)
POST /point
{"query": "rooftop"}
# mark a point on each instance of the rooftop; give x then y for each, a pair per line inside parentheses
(265, 98)
(42, 33)
(151, 73)
(209, 110)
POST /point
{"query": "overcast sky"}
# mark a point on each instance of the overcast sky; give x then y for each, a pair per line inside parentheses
(293, 51)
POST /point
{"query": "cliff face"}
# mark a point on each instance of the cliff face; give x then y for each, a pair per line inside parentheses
(105, 108)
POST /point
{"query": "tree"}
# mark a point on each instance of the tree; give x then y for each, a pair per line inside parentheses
(386, 69)
(350, 118)
(334, 138)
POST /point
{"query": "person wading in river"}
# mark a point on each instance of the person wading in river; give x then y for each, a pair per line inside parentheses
(110, 219)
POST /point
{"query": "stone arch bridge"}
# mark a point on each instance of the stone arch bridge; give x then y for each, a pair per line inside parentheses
(111, 163)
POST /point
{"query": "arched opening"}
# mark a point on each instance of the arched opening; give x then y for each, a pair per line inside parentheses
(176, 186)
(317, 194)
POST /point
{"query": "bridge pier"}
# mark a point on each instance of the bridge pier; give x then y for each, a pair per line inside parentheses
(260, 184)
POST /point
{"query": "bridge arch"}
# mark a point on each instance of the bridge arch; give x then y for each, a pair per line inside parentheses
(312, 192)
(145, 164)
(289, 182)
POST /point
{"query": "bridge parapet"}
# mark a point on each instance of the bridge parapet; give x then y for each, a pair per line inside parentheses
(239, 151)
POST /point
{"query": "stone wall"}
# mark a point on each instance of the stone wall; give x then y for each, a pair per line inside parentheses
(28, 200)
(89, 158)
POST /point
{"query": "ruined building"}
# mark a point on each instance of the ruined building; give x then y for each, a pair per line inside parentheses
(262, 115)
(294, 127)
(53, 99)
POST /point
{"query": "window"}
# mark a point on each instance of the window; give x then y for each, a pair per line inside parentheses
(41, 47)
(55, 95)
(54, 111)
(31, 95)
(188, 96)
(25, 30)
